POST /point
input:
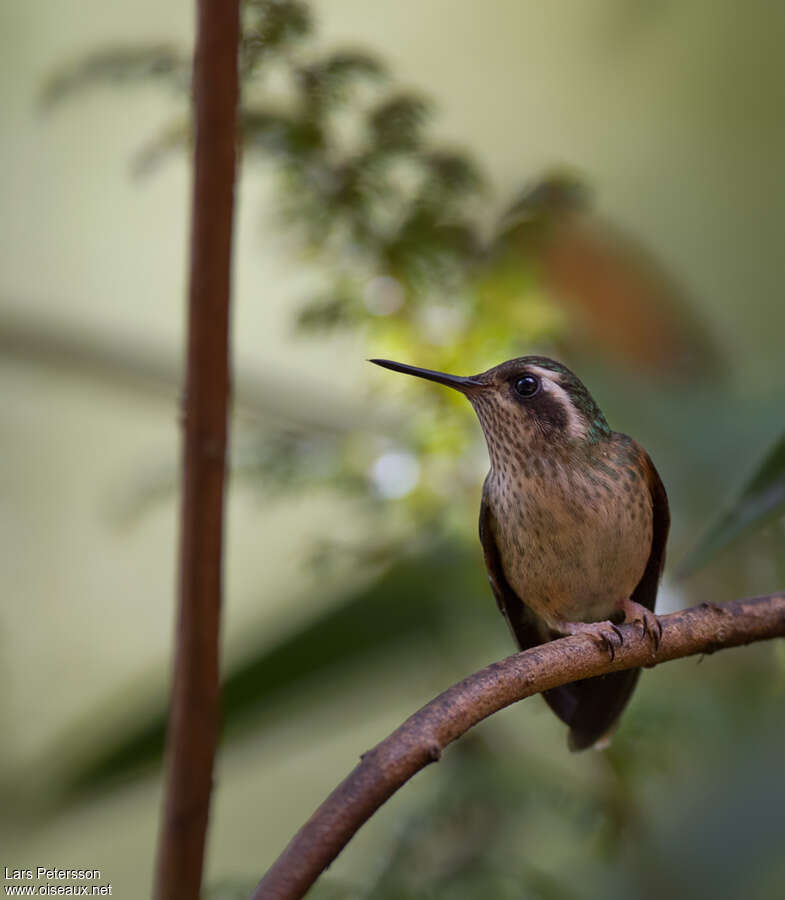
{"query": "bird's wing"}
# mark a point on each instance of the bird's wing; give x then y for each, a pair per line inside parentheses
(646, 591)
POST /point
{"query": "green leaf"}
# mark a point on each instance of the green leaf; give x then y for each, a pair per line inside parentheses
(277, 23)
(281, 134)
(450, 176)
(396, 124)
(761, 500)
(326, 81)
(174, 138)
(326, 312)
(119, 65)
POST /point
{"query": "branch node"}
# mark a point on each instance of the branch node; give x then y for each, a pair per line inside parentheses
(716, 607)
(434, 752)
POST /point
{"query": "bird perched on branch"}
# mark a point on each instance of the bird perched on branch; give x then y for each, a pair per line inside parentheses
(573, 523)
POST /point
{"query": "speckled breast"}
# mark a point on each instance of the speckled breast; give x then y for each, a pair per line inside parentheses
(573, 540)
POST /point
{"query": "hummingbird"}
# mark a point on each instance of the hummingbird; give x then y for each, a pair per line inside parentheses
(573, 524)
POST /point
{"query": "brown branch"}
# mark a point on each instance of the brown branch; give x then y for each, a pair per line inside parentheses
(422, 737)
(193, 723)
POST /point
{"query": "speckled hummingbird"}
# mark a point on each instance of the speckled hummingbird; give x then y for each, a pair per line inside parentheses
(573, 524)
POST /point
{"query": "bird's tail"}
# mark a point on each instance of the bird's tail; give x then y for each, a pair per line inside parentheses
(592, 706)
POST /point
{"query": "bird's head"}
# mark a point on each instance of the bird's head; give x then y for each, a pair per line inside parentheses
(529, 401)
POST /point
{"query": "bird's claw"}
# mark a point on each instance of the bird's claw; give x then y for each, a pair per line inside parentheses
(607, 640)
(609, 635)
(649, 622)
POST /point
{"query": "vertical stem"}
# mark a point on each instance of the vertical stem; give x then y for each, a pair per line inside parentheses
(194, 712)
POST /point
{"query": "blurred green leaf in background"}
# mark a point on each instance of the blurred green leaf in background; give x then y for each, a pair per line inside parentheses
(761, 500)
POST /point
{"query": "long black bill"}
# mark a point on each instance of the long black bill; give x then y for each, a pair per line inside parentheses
(464, 385)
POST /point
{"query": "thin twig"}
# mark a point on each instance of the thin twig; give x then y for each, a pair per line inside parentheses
(193, 723)
(422, 737)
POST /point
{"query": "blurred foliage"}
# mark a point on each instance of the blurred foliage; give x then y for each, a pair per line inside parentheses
(761, 500)
(119, 65)
(416, 261)
(414, 600)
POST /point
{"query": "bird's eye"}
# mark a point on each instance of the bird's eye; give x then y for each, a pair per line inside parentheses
(527, 385)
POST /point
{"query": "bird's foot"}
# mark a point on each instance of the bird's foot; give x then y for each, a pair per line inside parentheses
(606, 632)
(650, 624)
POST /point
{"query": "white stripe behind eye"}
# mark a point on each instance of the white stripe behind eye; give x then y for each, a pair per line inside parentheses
(576, 428)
